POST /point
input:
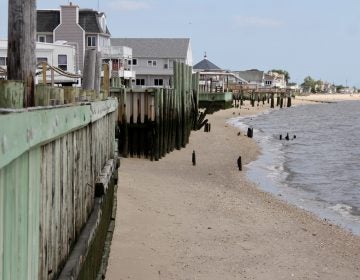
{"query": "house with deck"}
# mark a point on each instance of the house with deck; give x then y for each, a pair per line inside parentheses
(83, 29)
(153, 58)
(59, 54)
(260, 79)
(213, 78)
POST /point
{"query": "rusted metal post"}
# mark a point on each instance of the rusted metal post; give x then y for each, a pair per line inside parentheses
(21, 62)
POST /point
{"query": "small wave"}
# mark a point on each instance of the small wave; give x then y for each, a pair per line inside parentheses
(343, 209)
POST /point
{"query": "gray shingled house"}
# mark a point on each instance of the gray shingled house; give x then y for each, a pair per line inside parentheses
(213, 78)
(153, 58)
(253, 77)
(82, 28)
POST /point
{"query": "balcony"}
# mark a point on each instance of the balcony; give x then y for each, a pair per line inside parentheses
(115, 52)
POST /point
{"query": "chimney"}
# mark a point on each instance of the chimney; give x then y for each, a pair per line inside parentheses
(70, 14)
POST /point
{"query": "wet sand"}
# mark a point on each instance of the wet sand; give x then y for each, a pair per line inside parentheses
(179, 221)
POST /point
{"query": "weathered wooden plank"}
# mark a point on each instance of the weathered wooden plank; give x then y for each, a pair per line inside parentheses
(57, 200)
(71, 190)
(22, 131)
(102, 182)
(34, 214)
(43, 193)
(50, 176)
(15, 225)
(2, 204)
(22, 193)
(9, 202)
(77, 166)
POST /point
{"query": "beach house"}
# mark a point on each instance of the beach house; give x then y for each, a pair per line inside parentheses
(83, 29)
(213, 78)
(153, 58)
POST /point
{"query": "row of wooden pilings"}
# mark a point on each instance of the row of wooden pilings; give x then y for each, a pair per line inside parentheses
(45, 95)
(263, 97)
(155, 121)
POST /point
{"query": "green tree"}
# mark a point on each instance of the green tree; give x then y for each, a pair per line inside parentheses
(284, 72)
(309, 83)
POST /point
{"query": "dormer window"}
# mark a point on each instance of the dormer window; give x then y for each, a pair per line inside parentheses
(91, 41)
(103, 23)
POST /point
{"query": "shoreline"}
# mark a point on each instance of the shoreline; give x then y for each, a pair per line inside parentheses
(178, 221)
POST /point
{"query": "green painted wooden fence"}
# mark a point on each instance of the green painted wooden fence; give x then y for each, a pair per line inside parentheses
(49, 160)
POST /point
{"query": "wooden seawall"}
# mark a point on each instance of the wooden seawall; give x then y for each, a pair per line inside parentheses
(50, 161)
(155, 121)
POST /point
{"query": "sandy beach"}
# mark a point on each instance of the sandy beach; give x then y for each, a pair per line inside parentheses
(179, 221)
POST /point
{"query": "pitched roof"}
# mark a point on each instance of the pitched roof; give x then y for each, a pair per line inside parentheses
(89, 21)
(206, 65)
(48, 20)
(252, 75)
(155, 47)
(269, 77)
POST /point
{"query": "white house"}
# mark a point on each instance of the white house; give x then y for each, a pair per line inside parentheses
(58, 54)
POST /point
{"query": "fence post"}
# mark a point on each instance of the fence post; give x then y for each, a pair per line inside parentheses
(44, 65)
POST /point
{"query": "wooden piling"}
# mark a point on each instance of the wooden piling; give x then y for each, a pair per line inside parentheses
(89, 69)
(106, 80)
(289, 100)
(239, 163)
(11, 94)
(21, 57)
(97, 74)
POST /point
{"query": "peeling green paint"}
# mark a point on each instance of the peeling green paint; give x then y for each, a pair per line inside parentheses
(25, 129)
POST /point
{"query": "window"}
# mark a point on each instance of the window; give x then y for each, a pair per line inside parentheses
(62, 62)
(42, 38)
(158, 82)
(91, 41)
(41, 59)
(268, 83)
(3, 61)
(140, 82)
(115, 64)
(134, 61)
(152, 63)
(166, 66)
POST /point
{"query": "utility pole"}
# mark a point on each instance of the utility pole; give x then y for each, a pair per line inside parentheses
(21, 58)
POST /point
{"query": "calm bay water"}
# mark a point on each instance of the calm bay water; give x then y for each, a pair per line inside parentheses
(319, 170)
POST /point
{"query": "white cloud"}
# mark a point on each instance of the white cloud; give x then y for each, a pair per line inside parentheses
(257, 22)
(128, 5)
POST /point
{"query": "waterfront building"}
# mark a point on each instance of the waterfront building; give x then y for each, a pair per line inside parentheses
(153, 58)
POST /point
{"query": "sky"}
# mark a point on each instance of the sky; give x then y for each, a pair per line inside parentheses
(317, 38)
